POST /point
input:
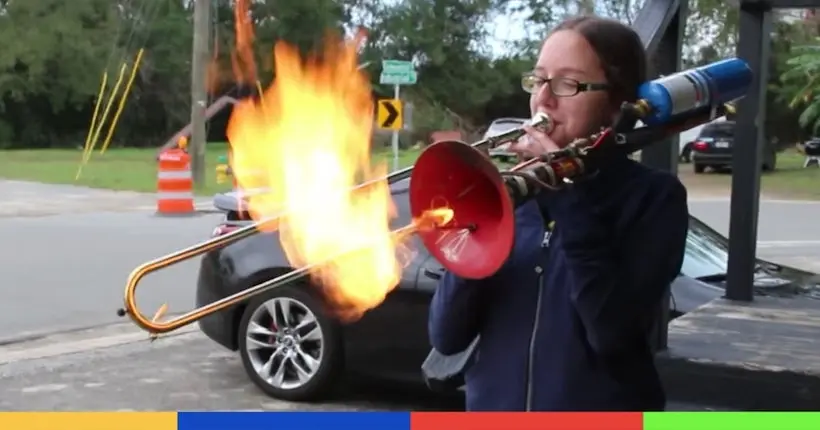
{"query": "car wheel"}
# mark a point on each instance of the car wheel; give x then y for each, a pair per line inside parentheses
(686, 154)
(699, 168)
(289, 348)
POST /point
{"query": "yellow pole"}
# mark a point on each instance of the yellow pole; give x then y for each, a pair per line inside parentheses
(102, 121)
(122, 101)
(96, 112)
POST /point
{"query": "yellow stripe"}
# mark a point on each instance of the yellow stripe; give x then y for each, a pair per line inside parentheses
(89, 420)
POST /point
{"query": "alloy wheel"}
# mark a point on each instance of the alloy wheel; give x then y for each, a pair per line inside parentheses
(284, 343)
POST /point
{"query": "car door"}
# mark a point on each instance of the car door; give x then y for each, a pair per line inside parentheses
(391, 340)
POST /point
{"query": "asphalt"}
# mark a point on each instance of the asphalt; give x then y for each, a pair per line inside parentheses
(778, 220)
(25, 199)
(182, 372)
(787, 230)
(69, 270)
(68, 250)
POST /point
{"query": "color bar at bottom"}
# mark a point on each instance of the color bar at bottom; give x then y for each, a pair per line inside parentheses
(526, 421)
(409, 421)
(293, 420)
(88, 420)
(731, 420)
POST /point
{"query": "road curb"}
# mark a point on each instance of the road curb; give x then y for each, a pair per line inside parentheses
(742, 386)
(39, 346)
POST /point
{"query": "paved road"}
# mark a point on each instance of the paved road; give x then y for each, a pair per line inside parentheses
(68, 250)
(21, 198)
(183, 372)
(788, 232)
(69, 270)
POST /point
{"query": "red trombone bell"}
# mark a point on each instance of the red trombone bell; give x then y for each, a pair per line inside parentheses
(477, 241)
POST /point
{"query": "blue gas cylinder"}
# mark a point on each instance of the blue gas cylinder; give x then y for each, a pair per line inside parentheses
(695, 89)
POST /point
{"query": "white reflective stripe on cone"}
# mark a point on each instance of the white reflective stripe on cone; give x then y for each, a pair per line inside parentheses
(175, 174)
(181, 195)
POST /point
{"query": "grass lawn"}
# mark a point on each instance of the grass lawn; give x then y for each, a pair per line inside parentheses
(135, 170)
(119, 169)
(789, 180)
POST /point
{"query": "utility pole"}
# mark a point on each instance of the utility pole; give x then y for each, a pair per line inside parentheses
(199, 91)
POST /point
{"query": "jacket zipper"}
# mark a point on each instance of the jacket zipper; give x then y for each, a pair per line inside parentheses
(530, 361)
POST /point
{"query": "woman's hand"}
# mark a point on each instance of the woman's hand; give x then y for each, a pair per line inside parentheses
(533, 144)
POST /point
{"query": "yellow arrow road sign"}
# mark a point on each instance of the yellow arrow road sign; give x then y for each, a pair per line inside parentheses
(389, 114)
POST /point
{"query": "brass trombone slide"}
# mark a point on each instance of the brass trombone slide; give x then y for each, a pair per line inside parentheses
(154, 326)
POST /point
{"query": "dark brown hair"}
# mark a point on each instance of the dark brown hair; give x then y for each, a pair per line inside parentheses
(620, 50)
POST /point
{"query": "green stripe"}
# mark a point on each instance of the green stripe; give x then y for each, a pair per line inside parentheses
(731, 420)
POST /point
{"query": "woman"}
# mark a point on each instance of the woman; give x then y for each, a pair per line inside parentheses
(565, 324)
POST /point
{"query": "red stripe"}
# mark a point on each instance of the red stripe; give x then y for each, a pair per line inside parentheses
(526, 421)
(174, 185)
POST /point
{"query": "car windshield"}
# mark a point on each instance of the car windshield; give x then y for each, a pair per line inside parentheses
(707, 252)
(719, 131)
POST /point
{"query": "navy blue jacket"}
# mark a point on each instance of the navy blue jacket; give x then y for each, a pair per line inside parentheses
(565, 324)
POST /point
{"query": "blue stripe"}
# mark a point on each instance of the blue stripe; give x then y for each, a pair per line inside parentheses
(293, 420)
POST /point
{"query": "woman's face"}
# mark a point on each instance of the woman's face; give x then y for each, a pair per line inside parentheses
(567, 54)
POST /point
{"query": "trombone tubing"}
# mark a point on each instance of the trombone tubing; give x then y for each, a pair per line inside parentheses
(156, 327)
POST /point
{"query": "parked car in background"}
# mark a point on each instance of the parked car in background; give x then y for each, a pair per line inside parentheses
(292, 349)
(497, 127)
(685, 141)
(685, 155)
(811, 147)
(714, 147)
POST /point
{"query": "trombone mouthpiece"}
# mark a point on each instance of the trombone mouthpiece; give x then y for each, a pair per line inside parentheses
(542, 122)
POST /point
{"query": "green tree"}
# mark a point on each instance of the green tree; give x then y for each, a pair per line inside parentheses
(800, 83)
(44, 73)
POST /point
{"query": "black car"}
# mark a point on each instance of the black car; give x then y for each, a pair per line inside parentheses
(714, 145)
(812, 147)
(293, 350)
(503, 125)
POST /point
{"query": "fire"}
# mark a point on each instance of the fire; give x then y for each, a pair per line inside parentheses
(307, 140)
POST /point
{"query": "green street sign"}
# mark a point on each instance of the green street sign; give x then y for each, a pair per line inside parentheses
(398, 78)
(397, 66)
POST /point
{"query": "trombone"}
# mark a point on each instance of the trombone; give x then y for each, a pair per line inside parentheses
(156, 326)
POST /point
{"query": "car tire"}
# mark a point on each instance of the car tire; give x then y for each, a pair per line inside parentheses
(698, 168)
(686, 154)
(307, 344)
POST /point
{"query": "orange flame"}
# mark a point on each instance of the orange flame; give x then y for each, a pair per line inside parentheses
(307, 140)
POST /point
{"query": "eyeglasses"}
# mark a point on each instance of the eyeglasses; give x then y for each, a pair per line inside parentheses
(559, 86)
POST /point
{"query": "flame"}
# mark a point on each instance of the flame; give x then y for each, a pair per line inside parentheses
(307, 140)
(434, 218)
